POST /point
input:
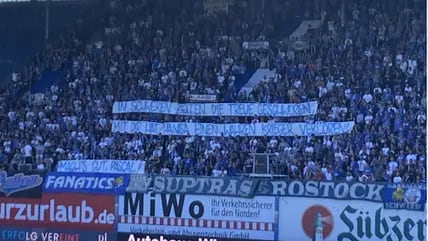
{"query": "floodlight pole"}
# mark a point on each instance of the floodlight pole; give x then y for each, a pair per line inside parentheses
(47, 18)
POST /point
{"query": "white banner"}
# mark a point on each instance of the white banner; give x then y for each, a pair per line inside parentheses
(335, 220)
(102, 166)
(205, 98)
(192, 215)
(255, 45)
(236, 129)
(216, 109)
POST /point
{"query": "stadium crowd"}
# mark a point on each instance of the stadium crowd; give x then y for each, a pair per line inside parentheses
(366, 63)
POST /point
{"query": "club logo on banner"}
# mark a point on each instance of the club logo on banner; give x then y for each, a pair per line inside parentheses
(18, 182)
(405, 196)
(85, 183)
(191, 215)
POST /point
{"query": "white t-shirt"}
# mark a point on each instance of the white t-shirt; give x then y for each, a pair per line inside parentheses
(28, 151)
(14, 77)
(397, 179)
(392, 166)
(165, 171)
(403, 66)
(215, 173)
(330, 85)
(398, 98)
(321, 91)
(385, 151)
(411, 159)
(368, 119)
(348, 93)
(40, 166)
(328, 176)
(309, 149)
(368, 98)
(273, 142)
(361, 165)
(412, 65)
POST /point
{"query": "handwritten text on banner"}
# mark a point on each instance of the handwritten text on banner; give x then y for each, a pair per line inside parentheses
(236, 129)
(102, 166)
(216, 109)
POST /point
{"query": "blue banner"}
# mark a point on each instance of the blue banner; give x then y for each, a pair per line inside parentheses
(405, 196)
(86, 183)
(21, 184)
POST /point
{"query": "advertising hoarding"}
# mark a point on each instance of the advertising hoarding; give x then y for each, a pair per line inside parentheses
(192, 215)
(44, 234)
(67, 182)
(162, 237)
(60, 210)
(334, 220)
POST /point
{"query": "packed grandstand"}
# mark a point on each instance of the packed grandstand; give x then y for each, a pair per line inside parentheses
(360, 61)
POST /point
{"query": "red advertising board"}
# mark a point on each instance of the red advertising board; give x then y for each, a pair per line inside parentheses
(60, 210)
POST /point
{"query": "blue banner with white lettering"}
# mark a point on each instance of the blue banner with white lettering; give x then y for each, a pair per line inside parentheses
(405, 196)
(106, 183)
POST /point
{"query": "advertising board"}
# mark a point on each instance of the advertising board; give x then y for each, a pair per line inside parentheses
(43, 234)
(335, 220)
(60, 210)
(162, 237)
(67, 182)
(192, 215)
